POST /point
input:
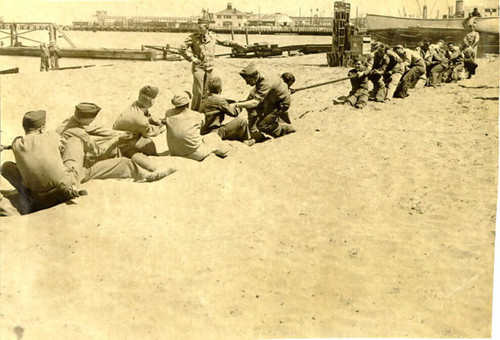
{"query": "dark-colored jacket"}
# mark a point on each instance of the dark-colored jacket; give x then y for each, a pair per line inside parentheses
(215, 108)
(358, 83)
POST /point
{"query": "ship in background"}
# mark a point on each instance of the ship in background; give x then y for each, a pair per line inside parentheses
(452, 27)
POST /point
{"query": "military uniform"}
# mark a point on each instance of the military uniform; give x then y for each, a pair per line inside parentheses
(472, 39)
(101, 143)
(438, 63)
(470, 64)
(201, 47)
(54, 56)
(215, 108)
(98, 160)
(273, 97)
(416, 67)
(380, 62)
(44, 58)
(42, 178)
(184, 137)
(143, 126)
(393, 73)
(358, 96)
(456, 66)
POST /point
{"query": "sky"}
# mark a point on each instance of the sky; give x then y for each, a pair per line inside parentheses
(67, 11)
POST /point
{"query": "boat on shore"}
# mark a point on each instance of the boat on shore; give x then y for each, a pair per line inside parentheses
(376, 22)
(410, 31)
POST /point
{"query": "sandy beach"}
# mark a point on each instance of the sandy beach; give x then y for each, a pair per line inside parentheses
(365, 223)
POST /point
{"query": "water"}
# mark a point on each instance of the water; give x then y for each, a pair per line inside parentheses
(134, 40)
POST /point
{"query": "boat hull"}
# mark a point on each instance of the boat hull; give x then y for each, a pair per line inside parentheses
(380, 22)
(410, 31)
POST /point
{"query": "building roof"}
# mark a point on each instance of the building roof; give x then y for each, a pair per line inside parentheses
(232, 11)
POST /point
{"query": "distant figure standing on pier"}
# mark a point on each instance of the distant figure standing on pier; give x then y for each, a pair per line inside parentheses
(199, 49)
(54, 56)
(44, 57)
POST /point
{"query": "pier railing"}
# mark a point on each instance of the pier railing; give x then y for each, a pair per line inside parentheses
(299, 30)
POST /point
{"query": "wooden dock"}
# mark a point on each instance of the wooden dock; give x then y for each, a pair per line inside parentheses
(82, 53)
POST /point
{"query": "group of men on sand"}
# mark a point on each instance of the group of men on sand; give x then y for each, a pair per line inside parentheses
(393, 71)
(50, 165)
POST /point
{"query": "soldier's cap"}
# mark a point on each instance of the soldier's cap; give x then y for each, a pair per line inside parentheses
(86, 110)
(34, 120)
(203, 21)
(150, 91)
(377, 45)
(181, 98)
(398, 47)
(441, 41)
(249, 71)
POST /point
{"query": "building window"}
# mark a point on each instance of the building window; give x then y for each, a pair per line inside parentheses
(227, 17)
(219, 17)
(227, 24)
(240, 16)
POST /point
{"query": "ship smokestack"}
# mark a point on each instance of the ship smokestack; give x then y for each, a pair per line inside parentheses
(459, 12)
(424, 12)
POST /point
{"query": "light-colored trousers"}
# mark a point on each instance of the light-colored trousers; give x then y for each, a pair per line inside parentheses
(200, 79)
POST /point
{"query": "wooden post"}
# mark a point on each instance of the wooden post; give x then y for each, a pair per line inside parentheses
(13, 35)
(51, 33)
(232, 33)
(246, 34)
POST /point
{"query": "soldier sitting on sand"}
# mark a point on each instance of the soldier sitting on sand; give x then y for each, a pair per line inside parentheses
(358, 96)
(41, 176)
(415, 67)
(267, 104)
(470, 64)
(184, 138)
(380, 62)
(456, 67)
(215, 107)
(393, 73)
(99, 159)
(137, 120)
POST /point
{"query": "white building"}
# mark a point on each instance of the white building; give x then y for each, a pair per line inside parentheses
(277, 20)
(230, 17)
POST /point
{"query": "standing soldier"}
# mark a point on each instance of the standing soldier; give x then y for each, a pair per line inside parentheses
(376, 75)
(44, 57)
(415, 66)
(267, 104)
(54, 56)
(358, 96)
(137, 120)
(199, 49)
(472, 39)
